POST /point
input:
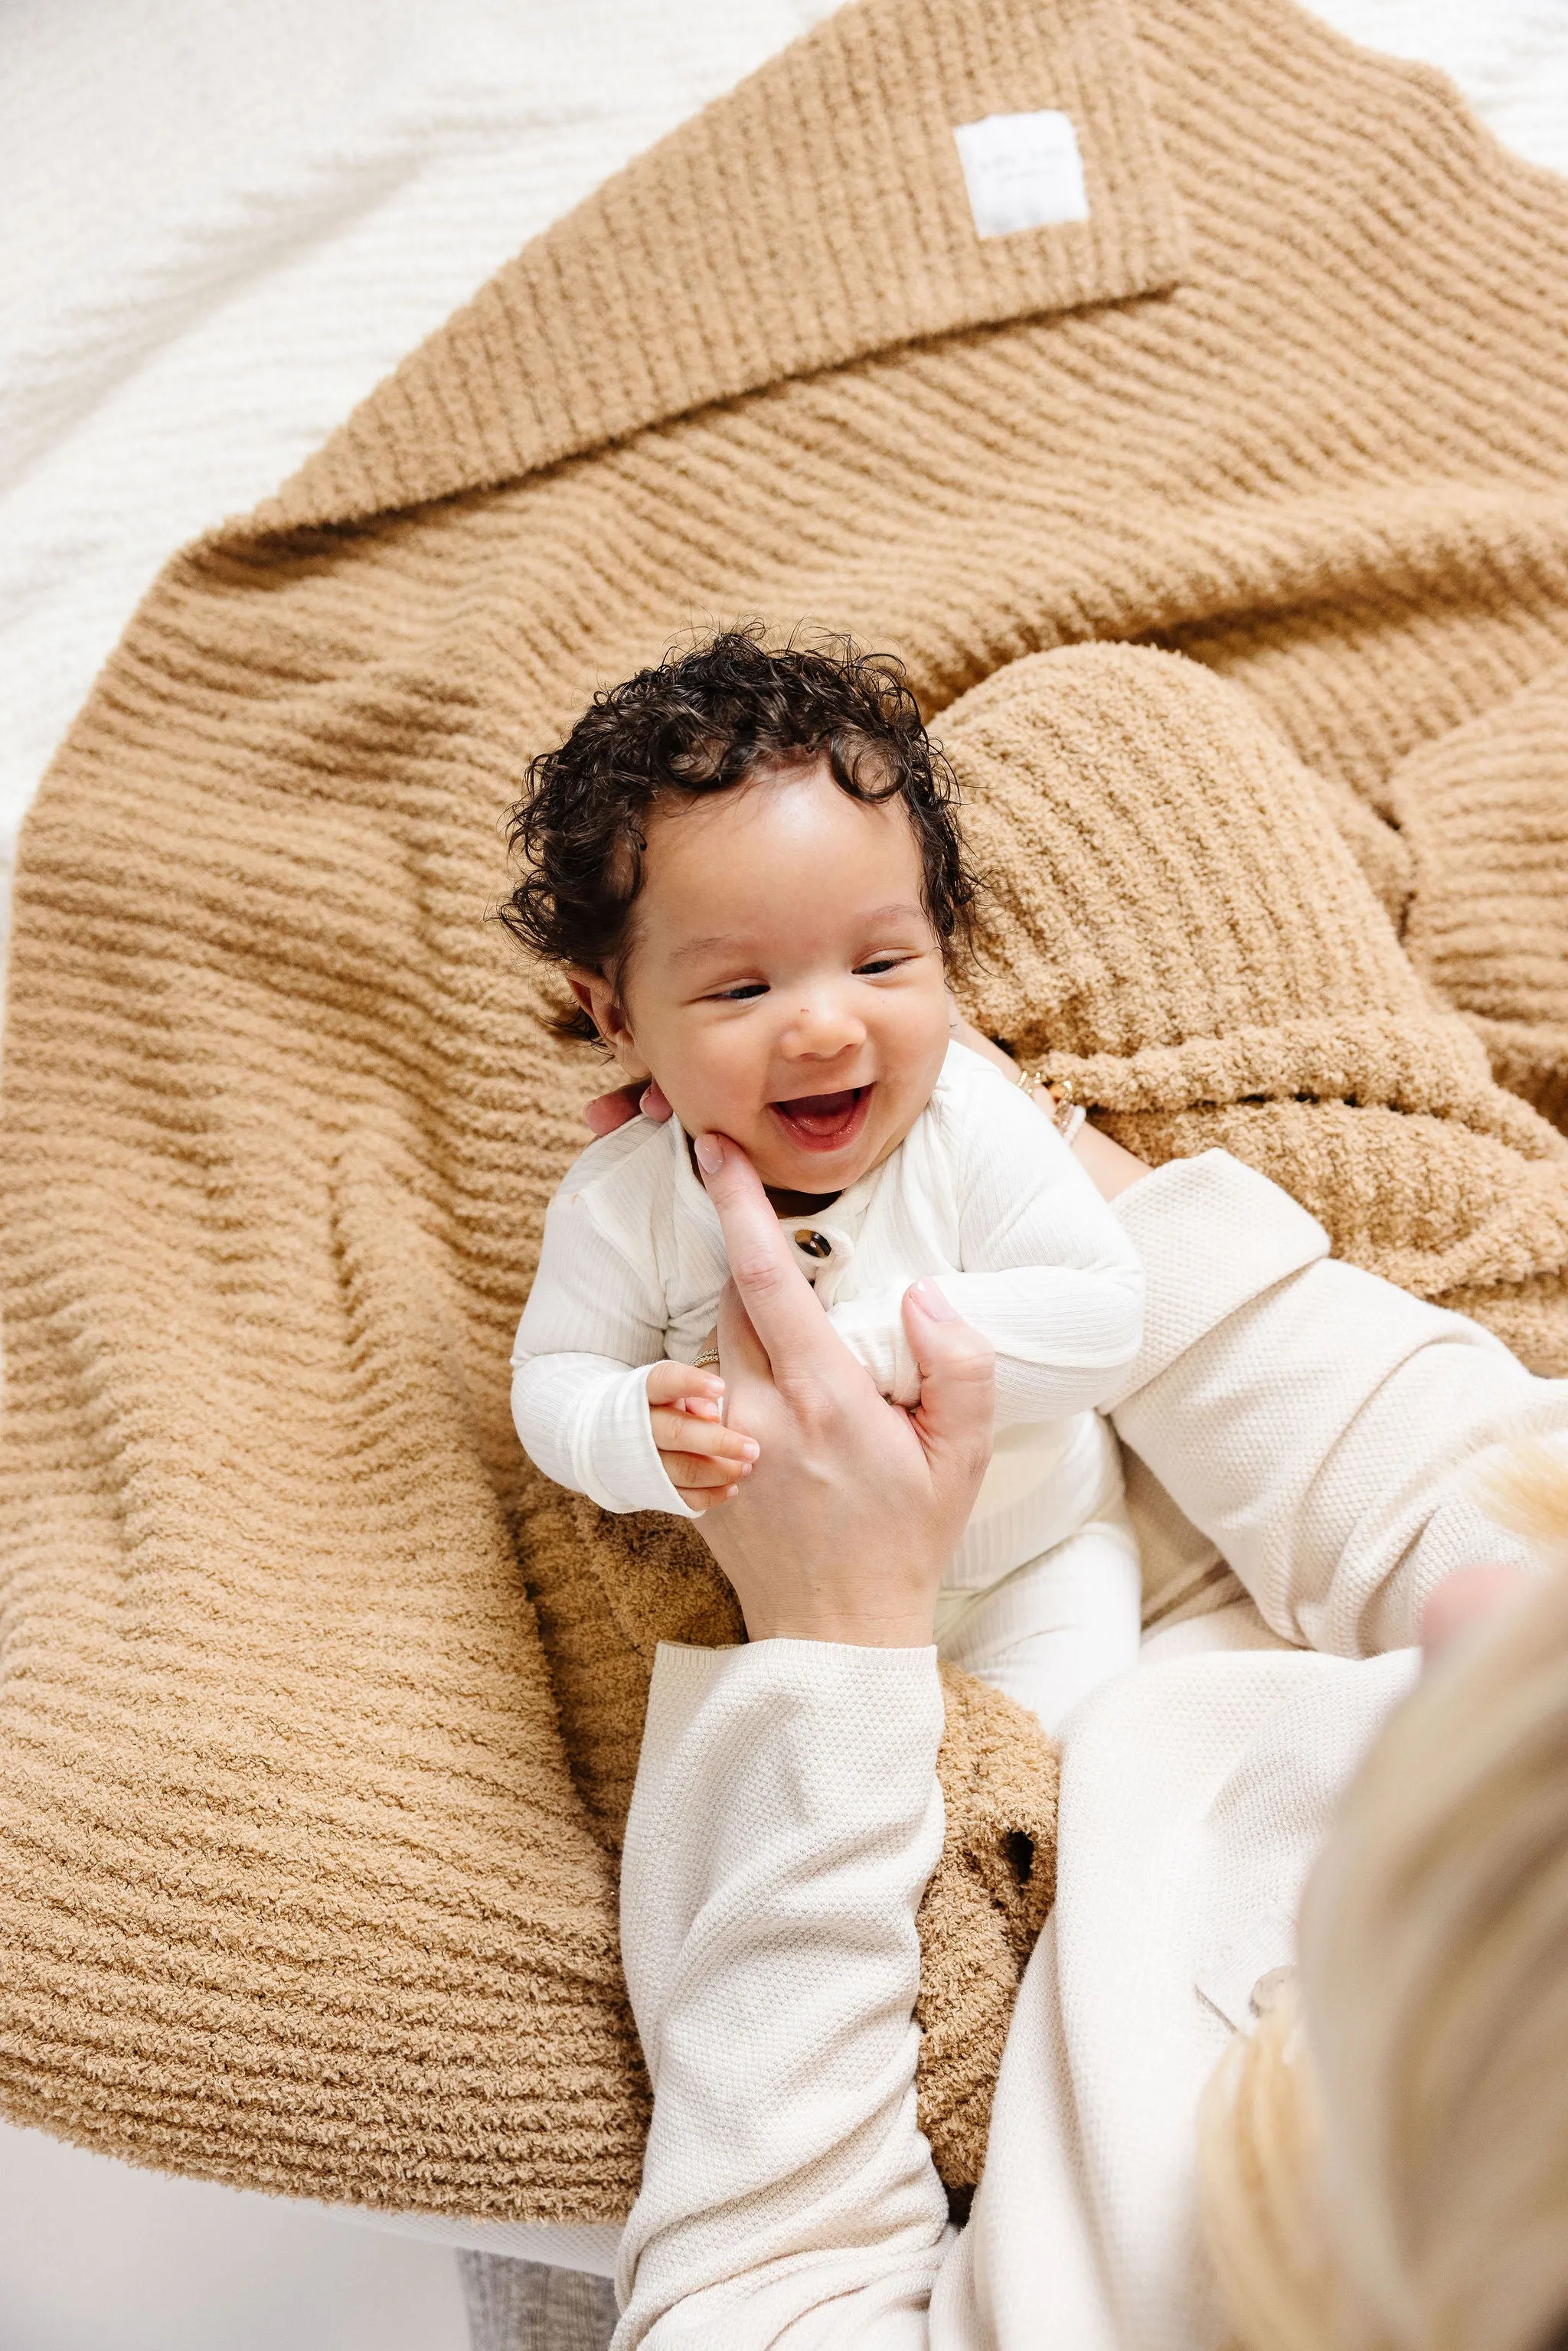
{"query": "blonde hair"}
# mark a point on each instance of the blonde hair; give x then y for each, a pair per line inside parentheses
(1384, 2161)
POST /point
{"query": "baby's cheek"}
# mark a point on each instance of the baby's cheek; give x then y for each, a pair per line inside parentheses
(916, 1035)
(716, 1077)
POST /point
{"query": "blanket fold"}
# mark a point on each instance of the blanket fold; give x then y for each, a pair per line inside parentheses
(318, 1713)
(1485, 813)
(818, 214)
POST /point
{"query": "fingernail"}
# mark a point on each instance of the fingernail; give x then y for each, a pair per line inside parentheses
(644, 1098)
(710, 1154)
(751, 1449)
(932, 1303)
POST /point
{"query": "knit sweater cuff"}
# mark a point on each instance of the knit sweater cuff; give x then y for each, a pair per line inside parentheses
(818, 1672)
(1212, 1234)
(805, 1744)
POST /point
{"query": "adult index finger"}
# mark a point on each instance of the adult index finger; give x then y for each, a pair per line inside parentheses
(795, 1334)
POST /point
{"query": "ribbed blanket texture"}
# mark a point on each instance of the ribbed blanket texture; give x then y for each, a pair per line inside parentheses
(319, 1713)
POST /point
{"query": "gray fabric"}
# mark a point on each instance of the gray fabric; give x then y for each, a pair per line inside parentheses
(527, 2306)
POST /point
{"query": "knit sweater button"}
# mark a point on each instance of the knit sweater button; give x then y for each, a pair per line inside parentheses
(814, 1244)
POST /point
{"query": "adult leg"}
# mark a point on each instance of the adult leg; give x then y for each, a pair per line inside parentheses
(527, 2306)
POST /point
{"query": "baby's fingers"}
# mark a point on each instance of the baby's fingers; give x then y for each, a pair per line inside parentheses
(698, 1393)
(678, 1432)
(701, 1482)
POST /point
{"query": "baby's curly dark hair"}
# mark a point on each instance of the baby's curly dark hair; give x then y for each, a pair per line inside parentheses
(703, 721)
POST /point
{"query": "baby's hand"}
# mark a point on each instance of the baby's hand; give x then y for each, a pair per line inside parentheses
(703, 1459)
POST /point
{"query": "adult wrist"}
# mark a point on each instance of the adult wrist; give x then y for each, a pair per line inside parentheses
(849, 1634)
(850, 1629)
(845, 1622)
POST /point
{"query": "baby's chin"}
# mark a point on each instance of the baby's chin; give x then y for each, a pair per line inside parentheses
(815, 1178)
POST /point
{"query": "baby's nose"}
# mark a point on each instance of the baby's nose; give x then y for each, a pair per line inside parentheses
(824, 1026)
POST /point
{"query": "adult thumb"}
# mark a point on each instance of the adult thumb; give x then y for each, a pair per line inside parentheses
(956, 1417)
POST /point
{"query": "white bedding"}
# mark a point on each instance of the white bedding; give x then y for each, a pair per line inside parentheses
(225, 222)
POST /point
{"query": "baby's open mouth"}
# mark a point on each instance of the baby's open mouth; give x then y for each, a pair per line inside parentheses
(823, 1121)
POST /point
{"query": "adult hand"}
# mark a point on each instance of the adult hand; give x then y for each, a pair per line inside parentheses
(605, 1113)
(842, 1529)
(1467, 1597)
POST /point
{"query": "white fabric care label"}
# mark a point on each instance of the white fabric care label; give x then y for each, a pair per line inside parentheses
(1022, 170)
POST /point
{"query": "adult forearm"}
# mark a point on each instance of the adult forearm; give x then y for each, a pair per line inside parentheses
(1323, 1429)
(784, 1821)
(1112, 1167)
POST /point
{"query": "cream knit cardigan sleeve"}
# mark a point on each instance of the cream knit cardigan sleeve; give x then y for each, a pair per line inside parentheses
(1332, 1434)
(1316, 1423)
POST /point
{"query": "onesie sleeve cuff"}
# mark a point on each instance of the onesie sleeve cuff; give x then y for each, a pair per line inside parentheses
(618, 1463)
(872, 1328)
(1212, 1234)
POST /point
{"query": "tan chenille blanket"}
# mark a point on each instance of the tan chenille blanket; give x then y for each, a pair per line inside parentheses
(319, 1715)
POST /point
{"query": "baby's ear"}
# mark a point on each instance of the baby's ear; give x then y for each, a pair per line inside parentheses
(582, 984)
(597, 998)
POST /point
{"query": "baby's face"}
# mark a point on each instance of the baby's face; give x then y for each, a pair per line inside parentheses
(784, 984)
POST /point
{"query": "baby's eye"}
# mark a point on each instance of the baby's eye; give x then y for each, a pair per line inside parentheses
(875, 964)
(747, 987)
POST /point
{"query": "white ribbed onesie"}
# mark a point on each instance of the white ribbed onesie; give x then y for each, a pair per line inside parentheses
(1041, 1598)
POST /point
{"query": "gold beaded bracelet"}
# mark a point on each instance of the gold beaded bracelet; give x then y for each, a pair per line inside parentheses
(1067, 1115)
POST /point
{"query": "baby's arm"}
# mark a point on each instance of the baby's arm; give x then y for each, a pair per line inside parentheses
(1049, 1274)
(596, 1406)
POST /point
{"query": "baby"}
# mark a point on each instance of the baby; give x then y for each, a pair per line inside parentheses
(747, 865)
